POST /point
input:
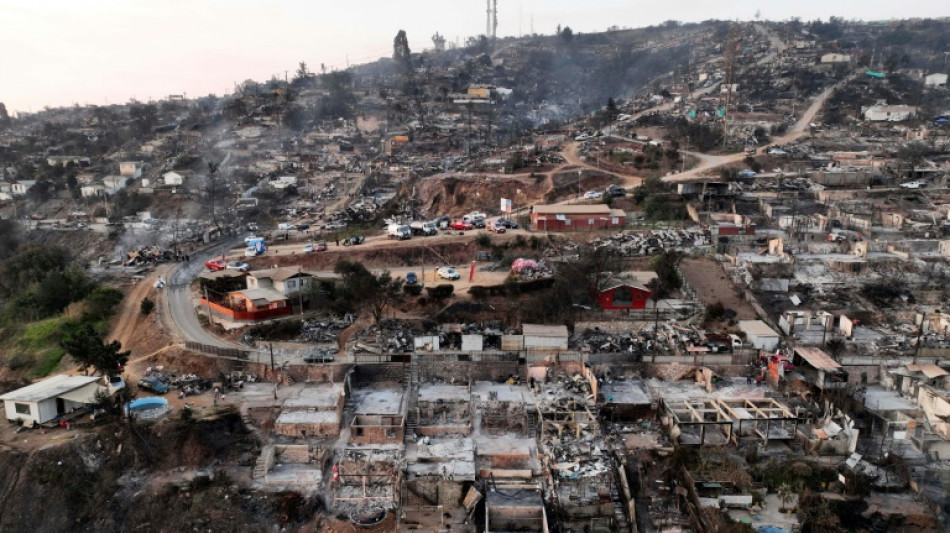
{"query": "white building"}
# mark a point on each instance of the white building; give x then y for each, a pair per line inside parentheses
(173, 178)
(935, 80)
(131, 169)
(836, 58)
(889, 113)
(283, 182)
(543, 337)
(21, 187)
(759, 334)
(112, 184)
(44, 401)
(91, 191)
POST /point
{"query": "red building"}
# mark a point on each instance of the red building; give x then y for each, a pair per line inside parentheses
(624, 296)
(561, 217)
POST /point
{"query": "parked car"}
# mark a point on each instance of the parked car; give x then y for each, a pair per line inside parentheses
(478, 223)
(593, 195)
(239, 265)
(448, 273)
(154, 385)
(497, 227)
(914, 184)
(353, 241)
(318, 247)
(411, 278)
(318, 356)
(509, 224)
(302, 227)
(461, 225)
(614, 191)
(216, 264)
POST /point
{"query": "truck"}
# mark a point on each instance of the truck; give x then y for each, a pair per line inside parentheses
(399, 231)
(255, 247)
(422, 227)
(475, 217)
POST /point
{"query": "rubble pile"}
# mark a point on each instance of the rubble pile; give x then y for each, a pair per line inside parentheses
(654, 242)
(390, 335)
(324, 329)
(527, 269)
(187, 384)
(149, 255)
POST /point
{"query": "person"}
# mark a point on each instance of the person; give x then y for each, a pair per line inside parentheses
(758, 380)
(337, 241)
(748, 379)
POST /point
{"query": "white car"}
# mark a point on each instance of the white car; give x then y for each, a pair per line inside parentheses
(593, 195)
(914, 185)
(239, 265)
(448, 273)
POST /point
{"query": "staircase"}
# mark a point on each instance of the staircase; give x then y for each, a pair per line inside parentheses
(260, 466)
(412, 389)
(620, 518)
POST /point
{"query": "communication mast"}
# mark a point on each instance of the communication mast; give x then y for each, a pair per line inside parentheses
(491, 23)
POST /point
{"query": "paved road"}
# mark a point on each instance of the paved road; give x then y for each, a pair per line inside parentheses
(180, 306)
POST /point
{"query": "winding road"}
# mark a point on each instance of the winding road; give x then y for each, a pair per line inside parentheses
(178, 303)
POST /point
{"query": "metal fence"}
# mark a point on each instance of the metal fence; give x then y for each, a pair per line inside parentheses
(219, 351)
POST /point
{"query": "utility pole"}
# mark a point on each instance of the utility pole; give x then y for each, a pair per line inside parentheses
(920, 333)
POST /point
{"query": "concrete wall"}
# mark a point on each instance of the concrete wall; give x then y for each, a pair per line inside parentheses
(373, 429)
(443, 492)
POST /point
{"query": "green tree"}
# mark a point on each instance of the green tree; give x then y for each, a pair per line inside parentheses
(147, 306)
(375, 292)
(101, 302)
(666, 266)
(88, 348)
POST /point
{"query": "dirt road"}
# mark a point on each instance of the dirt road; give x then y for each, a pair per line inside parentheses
(799, 130)
(709, 280)
(130, 314)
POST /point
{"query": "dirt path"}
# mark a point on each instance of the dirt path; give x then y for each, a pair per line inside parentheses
(799, 130)
(709, 280)
(130, 312)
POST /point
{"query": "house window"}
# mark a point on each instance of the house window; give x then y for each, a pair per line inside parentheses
(390, 433)
(22, 408)
(623, 296)
(359, 432)
(291, 284)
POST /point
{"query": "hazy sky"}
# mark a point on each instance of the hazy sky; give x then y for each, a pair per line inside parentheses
(61, 52)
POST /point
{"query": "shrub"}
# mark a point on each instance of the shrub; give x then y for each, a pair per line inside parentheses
(483, 240)
(412, 290)
(715, 311)
(147, 306)
(440, 292)
(520, 241)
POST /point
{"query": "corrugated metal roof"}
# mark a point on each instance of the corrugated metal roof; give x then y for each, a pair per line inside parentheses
(931, 370)
(49, 388)
(541, 330)
(756, 327)
(817, 358)
(564, 209)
